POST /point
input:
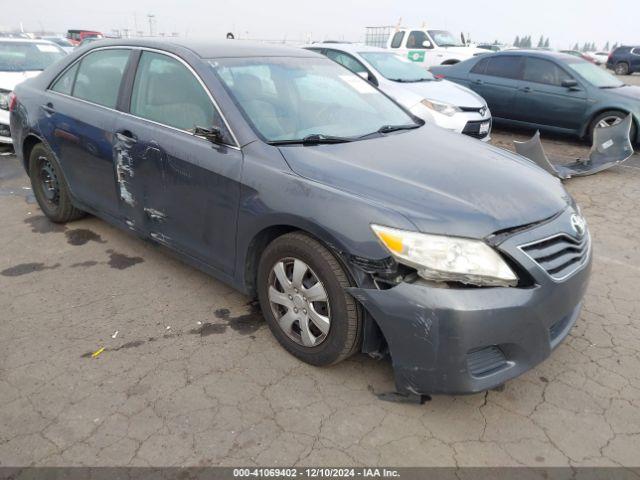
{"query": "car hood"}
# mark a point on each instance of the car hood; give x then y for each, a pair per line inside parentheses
(443, 182)
(9, 80)
(438, 90)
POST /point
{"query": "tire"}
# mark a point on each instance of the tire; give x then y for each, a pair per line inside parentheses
(621, 68)
(342, 337)
(50, 187)
(608, 117)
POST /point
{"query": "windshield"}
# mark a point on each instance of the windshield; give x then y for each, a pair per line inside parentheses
(21, 57)
(596, 76)
(445, 39)
(396, 68)
(289, 99)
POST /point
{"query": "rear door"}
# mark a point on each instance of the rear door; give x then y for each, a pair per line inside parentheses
(78, 119)
(541, 98)
(634, 59)
(179, 188)
(496, 79)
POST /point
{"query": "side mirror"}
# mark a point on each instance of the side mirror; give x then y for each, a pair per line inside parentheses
(570, 84)
(213, 134)
(426, 44)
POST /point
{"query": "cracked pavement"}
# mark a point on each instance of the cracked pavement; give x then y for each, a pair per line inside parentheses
(194, 377)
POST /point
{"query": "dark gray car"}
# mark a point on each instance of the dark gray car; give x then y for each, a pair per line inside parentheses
(294, 180)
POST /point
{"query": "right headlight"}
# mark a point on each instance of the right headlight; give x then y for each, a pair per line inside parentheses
(443, 258)
(445, 108)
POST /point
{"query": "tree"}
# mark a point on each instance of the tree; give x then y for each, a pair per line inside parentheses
(541, 41)
(516, 42)
(576, 46)
(606, 46)
(546, 43)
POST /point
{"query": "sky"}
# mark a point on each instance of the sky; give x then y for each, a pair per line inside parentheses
(565, 22)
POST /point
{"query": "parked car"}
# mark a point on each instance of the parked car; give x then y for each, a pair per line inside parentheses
(600, 57)
(444, 103)
(624, 60)
(494, 47)
(77, 36)
(21, 59)
(548, 90)
(579, 54)
(88, 40)
(358, 226)
(62, 42)
(426, 47)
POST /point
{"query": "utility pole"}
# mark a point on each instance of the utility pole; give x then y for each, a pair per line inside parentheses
(151, 18)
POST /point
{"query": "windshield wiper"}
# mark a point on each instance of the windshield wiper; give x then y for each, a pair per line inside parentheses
(413, 80)
(313, 139)
(395, 128)
(614, 86)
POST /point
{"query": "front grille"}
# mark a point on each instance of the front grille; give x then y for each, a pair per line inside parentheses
(473, 129)
(4, 130)
(485, 361)
(560, 256)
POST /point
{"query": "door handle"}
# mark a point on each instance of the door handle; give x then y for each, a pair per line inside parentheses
(48, 109)
(126, 136)
(478, 82)
(525, 89)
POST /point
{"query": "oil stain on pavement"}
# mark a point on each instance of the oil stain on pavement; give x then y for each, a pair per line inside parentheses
(81, 236)
(120, 261)
(26, 268)
(41, 224)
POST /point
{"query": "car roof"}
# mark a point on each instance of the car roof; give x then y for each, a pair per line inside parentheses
(348, 47)
(24, 40)
(534, 53)
(213, 48)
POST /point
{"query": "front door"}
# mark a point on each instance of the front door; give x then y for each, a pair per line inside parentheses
(78, 120)
(181, 189)
(541, 99)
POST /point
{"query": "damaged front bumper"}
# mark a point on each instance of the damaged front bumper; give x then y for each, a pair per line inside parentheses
(466, 340)
(611, 146)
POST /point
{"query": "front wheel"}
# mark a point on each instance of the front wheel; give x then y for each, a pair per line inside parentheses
(607, 119)
(50, 187)
(301, 287)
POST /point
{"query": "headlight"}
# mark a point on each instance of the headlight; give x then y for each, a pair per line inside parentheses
(442, 258)
(4, 99)
(444, 108)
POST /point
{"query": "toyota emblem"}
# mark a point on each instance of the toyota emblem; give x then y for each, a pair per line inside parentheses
(579, 225)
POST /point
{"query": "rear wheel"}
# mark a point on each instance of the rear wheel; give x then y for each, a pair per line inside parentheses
(622, 68)
(609, 118)
(301, 287)
(49, 186)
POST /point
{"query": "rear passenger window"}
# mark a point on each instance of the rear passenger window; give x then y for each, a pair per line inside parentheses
(64, 84)
(166, 92)
(480, 67)
(397, 40)
(505, 67)
(99, 76)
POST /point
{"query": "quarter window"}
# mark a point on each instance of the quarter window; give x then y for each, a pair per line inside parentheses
(396, 41)
(543, 71)
(64, 84)
(480, 67)
(166, 92)
(503, 66)
(99, 76)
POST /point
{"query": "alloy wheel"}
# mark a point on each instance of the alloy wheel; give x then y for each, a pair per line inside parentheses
(299, 302)
(609, 121)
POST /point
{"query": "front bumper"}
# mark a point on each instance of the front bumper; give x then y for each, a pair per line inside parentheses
(465, 122)
(466, 340)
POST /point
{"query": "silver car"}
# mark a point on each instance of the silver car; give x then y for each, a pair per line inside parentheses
(446, 104)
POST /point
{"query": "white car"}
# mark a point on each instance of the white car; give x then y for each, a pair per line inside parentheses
(446, 104)
(426, 47)
(600, 57)
(21, 58)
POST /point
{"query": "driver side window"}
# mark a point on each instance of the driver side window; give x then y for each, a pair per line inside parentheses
(416, 40)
